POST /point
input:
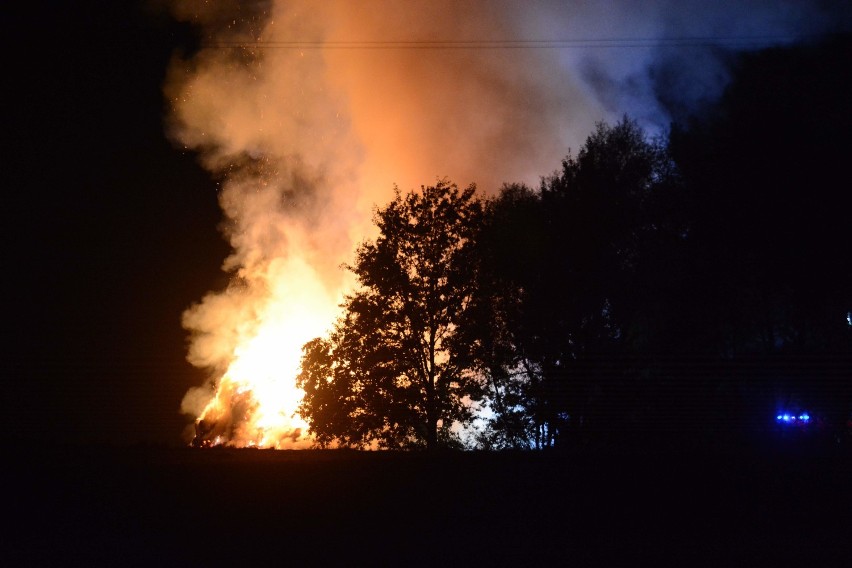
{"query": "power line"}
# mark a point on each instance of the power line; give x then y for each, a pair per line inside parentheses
(720, 41)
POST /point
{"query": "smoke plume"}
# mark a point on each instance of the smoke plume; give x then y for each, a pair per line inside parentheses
(309, 112)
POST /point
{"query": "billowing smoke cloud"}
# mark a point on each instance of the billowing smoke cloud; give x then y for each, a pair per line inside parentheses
(310, 112)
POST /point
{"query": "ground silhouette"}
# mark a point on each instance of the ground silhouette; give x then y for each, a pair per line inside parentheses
(156, 506)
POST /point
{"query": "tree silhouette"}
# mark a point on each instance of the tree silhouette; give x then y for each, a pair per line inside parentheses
(644, 283)
(509, 250)
(564, 269)
(392, 372)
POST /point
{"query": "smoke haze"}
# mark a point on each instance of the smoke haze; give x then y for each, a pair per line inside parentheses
(311, 123)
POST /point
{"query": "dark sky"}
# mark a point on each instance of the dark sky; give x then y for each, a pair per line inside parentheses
(109, 232)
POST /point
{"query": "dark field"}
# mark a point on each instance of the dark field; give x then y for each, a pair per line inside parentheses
(785, 506)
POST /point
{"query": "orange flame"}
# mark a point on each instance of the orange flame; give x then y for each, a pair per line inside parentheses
(256, 400)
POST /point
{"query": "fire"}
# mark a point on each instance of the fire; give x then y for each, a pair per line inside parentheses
(305, 142)
(256, 400)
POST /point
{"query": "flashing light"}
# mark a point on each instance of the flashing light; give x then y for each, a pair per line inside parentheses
(788, 418)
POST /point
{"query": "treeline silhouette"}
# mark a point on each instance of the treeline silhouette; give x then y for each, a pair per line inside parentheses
(692, 286)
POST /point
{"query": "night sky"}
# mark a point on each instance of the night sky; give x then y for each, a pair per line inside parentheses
(110, 231)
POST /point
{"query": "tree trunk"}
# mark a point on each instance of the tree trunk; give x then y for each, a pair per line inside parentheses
(431, 406)
(432, 434)
(431, 415)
